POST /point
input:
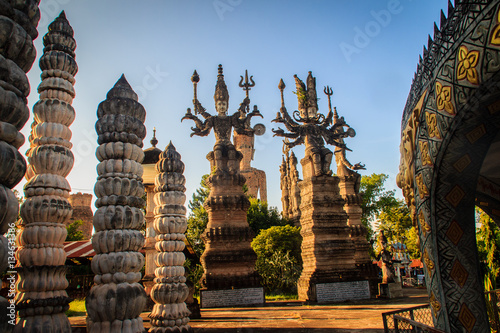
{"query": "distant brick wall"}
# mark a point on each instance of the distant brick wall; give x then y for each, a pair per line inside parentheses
(81, 203)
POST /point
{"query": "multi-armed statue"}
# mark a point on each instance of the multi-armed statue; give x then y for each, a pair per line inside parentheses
(224, 155)
(315, 128)
(228, 260)
(324, 228)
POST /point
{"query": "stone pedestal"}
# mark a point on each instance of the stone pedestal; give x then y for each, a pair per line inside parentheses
(390, 290)
(349, 190)
(327, 249)
(228, 260)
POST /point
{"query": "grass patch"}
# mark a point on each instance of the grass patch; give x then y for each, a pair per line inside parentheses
(77, 308)
(282, 297)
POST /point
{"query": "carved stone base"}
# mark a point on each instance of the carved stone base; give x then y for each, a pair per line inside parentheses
(232, 297)
(228, 259)
(327, 249)
(390, 290)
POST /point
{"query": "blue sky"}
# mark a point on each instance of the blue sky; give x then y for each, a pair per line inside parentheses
(366, 50)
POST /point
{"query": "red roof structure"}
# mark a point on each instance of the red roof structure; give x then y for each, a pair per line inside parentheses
(79, 249)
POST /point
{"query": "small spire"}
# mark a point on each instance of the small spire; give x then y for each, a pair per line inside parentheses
(281, 85)
(153, 141)
(62, 15)
(221, 93)
(195, 78)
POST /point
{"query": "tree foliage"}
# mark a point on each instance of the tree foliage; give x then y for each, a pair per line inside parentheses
(375, 197)
(198, 218)
(412, 242)
(382, 208)
(395, 220)
(279, 260)
(488, 245)
(260, 216)
(74, 232)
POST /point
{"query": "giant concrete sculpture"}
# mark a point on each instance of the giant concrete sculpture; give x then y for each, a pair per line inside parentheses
(228, 260)
(117, 298)
(327, 249)
(170, 313)
(42, 298)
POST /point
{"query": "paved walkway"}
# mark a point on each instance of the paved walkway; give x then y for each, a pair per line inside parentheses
(293, 317)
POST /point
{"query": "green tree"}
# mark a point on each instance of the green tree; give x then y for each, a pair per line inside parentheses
(412, 242)
(74, 232)
(375, 198)
(198, 218)
(488, 245)
(279, 260)
(260, 216)
(395, 220)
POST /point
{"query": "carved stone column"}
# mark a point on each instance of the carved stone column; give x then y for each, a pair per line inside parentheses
(327, 250)
(42, 298)
(228, 260)
(170, 313)
(349, 190)
(117, 299)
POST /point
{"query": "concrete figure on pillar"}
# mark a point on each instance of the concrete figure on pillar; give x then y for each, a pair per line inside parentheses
(319, 206)
(228, 260)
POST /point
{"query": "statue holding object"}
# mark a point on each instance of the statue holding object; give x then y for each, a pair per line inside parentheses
(228, 260)
(222, 123)
(315, 130)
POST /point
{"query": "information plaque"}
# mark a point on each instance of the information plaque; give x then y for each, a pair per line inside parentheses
(232, 297)
(342, 291)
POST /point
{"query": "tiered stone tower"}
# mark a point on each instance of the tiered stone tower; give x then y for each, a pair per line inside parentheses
(329, 272)
(117, 299)
(290, 192)
(81, 203)
(42, 298)
(349, 182)
(230, 278)
(151, 157)
(19, 22)
(170, 313)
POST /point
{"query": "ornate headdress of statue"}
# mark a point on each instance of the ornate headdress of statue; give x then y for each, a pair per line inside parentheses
(221, 93)
(312, 99)
(306, 96)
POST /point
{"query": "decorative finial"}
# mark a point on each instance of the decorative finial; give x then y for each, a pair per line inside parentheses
(247, 85)
(312, 99)
(221, 93)
(329, 92)
(281, 87)
(195, 78)
(153, 141)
